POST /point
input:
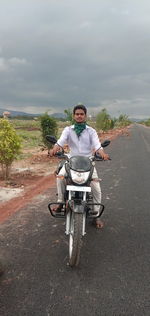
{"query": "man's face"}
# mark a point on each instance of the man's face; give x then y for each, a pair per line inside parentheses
(79, 116)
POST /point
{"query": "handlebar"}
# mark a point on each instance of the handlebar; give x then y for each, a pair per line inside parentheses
(60, 154)
(96, 157)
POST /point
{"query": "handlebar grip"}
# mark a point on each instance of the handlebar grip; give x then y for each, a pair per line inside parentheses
(99, 158)
(58, 154)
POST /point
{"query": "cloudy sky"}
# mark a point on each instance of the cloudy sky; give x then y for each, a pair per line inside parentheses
(57, 53)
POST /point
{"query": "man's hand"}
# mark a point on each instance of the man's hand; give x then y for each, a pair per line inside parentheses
(103, 154)
(54, 150)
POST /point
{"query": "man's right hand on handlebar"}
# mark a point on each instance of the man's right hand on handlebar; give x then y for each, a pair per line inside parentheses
(55, 149)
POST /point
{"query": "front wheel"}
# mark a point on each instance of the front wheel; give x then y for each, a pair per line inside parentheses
(75, 238)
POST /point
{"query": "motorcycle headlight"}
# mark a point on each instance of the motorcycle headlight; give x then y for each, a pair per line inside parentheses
(79, 177)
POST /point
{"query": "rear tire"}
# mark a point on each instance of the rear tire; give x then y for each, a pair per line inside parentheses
(75, 238)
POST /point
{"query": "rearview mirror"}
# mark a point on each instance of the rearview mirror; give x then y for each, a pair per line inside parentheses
(105, 143)
(51, 139)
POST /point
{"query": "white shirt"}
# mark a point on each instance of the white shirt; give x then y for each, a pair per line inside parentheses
(82, 145)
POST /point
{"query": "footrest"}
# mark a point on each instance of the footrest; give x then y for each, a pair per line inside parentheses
(60, 213)
(92, 214)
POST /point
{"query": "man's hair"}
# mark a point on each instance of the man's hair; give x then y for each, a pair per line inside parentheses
(80, 107)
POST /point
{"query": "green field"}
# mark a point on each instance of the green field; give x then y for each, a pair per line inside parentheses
(30, 133)
(25, 123)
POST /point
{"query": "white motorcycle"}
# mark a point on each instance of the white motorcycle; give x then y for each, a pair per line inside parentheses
(78, 199)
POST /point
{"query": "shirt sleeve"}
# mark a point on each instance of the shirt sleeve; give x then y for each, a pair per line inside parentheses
(64, 137)
(95, 142)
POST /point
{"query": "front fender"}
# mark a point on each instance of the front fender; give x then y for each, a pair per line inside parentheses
(79, 208)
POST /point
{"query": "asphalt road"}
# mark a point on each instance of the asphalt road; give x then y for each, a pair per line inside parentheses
(114, 271)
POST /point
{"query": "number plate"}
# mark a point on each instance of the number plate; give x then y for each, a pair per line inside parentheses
(77, 188)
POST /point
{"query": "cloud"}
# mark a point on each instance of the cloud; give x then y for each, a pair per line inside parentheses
(8, 64)
(85, 24)
(14, 61)
(3, 65)
(57, 53)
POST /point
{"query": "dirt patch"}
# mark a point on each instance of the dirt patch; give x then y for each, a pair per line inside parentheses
(27, 171)
(32, 176)
(29, 177)
(38, 186)
(112, 134)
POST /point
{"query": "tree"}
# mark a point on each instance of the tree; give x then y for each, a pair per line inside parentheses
(68, 113)
(104, 121)
(122, 121)
(49, 127)
(10, 145)
(147, 123)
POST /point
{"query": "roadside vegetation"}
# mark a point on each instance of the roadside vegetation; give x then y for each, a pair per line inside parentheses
(10, 145)
(146, 123)
(49, 126)
(105, 122)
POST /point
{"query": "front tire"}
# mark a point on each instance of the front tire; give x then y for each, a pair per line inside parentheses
(75, 238)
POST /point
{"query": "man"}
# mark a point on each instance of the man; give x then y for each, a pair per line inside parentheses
(82, 140)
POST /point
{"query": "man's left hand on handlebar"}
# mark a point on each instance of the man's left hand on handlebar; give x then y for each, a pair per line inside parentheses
(103, 154)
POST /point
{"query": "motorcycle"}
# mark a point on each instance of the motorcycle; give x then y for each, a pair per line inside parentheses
(78, 198)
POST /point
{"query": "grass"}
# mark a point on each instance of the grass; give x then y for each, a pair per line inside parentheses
(25, 123)
(30, 138)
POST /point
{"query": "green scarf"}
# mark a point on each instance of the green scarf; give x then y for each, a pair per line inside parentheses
(79, 127)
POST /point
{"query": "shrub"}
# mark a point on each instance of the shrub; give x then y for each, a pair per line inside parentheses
(10, 145)
(49, 127)
(104, 121)
(69, 116)
(122, 121)
(147, 123)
